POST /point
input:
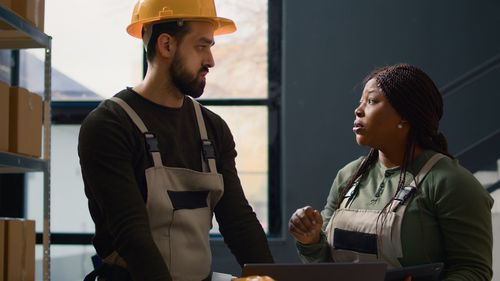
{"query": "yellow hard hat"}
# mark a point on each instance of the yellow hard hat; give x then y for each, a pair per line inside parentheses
(151, 11)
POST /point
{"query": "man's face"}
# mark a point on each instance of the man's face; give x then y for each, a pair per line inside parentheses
(193, 58)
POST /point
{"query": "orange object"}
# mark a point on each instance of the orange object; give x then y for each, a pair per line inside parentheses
(151, 11)
(255, 278)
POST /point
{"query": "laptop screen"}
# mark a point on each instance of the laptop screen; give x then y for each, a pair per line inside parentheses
(318, 271)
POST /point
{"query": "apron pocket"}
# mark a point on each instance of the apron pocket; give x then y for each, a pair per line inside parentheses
(188, 199)
(355, 241)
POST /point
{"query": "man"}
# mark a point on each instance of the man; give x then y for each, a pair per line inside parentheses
(157, 165)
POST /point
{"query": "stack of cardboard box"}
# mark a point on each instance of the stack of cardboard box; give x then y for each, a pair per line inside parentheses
(17, 249)
(21, 133)
(20, 121)
(20, 110)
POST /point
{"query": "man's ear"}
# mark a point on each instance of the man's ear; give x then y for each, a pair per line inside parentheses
(165, 45)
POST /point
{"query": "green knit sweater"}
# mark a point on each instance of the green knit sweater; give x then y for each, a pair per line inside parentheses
(448, 220)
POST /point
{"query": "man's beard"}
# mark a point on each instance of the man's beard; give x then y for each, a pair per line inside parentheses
(188, 84)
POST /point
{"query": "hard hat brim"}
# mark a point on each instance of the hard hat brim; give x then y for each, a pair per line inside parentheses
(223, 25)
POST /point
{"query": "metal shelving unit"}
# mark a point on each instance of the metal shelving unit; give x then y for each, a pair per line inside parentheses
(24, 35)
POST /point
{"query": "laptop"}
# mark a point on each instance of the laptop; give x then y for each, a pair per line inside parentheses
(423, 272)
(318, 271)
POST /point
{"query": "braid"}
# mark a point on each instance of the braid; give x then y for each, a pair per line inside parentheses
(360, 172)
(409, 154)
(440, 141)
(416, 98)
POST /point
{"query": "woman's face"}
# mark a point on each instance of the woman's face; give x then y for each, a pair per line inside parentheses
(376, 123)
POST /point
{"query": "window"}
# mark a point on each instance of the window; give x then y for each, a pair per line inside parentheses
(93, 58)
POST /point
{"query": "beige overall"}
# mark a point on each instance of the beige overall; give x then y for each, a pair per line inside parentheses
(368, 235)
(180, 204)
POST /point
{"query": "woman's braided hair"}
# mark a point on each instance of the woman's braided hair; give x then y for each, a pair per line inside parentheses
(413, 94)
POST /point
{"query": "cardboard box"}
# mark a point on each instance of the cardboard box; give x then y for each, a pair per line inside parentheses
(2, 250)
(25, 124)
(33, 11)
(6, 3)
(4, 117)
(19, 258)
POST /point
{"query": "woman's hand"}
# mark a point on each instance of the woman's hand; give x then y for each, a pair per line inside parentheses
(305, 225)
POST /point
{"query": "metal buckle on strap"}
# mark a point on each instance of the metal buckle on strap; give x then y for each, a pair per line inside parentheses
(208, 149)
(151, 142)
(402, 196)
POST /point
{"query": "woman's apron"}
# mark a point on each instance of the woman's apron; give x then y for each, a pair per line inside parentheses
(357, 235)
(180, 205)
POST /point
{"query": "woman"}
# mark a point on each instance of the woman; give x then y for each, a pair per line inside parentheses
(408, 202)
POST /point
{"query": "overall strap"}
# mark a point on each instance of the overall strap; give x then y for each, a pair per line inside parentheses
(351, 194)
(399, 204)
(151, 141)
(353, 191)
(408, 191)
(207, 147)
(426, 168)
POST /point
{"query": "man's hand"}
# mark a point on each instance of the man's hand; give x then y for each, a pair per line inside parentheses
(305, 225)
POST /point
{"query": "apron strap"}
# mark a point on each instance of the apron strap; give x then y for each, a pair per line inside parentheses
(426, 168)
(351, 194)
(151, 140)
(398, 204)
(208, 151)
(353, 191)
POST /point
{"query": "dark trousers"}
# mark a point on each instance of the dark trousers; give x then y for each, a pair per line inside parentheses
(106, 272)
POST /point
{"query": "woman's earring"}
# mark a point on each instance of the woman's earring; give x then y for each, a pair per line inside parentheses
(400, 126)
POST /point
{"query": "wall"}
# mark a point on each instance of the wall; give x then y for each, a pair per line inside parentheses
(329, 46)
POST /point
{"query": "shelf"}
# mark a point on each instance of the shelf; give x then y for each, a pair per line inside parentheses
(23, 35)
(11, 163)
